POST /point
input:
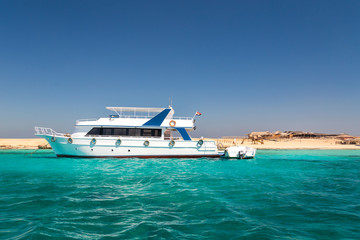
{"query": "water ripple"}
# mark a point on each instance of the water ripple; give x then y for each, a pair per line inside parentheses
(280, 194)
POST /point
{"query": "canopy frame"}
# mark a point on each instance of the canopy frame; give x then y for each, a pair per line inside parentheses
(120, 110)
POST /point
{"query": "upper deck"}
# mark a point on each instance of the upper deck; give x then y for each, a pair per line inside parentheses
(136, 117)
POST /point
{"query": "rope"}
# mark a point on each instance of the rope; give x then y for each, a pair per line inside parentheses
(36, 150)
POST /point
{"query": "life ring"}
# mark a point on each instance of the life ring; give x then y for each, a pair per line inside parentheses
(171, 143)
(93, 141)
(200, 143)
(172, 123)
(146, 143)
(118, 142)
(53, 138)
(70, 140)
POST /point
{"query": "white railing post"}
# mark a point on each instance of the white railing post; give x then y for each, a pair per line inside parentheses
(47, 131)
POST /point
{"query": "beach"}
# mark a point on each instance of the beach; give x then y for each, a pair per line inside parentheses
(22, 143)
(326, 143)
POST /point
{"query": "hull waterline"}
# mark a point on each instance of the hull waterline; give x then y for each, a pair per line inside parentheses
(155, 156)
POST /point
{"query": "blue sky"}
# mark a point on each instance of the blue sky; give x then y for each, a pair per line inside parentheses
(246, 65)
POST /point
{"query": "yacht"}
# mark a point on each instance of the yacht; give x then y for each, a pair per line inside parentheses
(131, 132)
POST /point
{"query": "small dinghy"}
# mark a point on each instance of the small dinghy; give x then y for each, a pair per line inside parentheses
(239, 152)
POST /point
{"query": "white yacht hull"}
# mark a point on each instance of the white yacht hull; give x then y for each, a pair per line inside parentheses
(108, 147)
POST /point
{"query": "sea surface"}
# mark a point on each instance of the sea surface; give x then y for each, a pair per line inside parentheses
(281, 194)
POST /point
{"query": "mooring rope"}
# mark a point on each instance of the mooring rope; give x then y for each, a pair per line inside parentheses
(39, 147)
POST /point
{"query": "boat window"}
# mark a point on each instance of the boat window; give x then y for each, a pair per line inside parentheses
(156, 132)
(147, 132)
(120, 131)
(94, 131)
(133, 132)
(167, 134)
(107, 131)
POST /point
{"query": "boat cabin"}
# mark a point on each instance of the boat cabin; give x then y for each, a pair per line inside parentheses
(136, 123)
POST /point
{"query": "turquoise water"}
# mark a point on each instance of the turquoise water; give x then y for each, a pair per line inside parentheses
(299, 194)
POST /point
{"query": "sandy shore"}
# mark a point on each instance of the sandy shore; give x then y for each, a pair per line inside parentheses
(289, 144)
(34, 143)
(22, 143)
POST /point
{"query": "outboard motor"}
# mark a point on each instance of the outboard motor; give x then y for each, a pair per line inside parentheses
(241, 154)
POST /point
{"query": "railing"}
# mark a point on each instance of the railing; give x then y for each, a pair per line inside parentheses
(149, 117)
(183, 118)
(86, 120)
(90, 119)
(47, 131)
(132, 116)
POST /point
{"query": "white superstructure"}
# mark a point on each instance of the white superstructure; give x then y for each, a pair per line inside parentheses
(131, 132)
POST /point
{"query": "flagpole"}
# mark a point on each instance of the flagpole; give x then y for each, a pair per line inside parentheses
(194, 115)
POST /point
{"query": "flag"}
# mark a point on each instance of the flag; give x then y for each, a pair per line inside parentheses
(198, 113)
